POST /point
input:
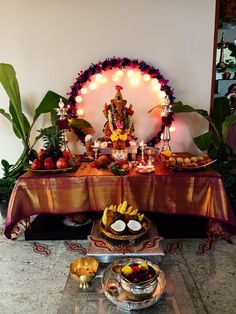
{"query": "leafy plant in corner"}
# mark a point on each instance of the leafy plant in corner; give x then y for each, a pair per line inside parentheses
(215, 140)
(21, 126)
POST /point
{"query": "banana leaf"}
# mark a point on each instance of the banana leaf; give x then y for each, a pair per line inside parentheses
(220, 112)
(17, 126)
(204, 141)
(79, 123)
(47, 104)
(229, 121)
(5, 114)
(10, 84)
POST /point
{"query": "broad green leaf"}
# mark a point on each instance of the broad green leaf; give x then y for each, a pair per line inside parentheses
(6, 115)
(49, 102)
(229, 121)
(220, 111)
(17, 124)
(10, 84)
(203, 141)
(79, 123)
(54, 116)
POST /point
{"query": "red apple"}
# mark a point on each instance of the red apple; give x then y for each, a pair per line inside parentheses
(41, 153)
(94, 164)
(37, 164)
(62, 162)
(49, 163)
(66, 154)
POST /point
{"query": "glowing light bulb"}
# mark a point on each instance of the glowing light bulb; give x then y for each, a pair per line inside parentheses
(119, 73)
(156, 87)
(92, 86)
(162, 94)
(130, 73)
(103, 80)
(98, 77)
(138, 74)
(154, 81)
(146, 77)
(115, 78)
(134, 81)
(78, 99)
(172, 128)
(80, 112)
(84, 91)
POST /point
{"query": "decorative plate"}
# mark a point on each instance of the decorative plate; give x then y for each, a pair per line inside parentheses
(118, 296)
(52, 170)
(179, 168)
(127, 237)
(145, 169)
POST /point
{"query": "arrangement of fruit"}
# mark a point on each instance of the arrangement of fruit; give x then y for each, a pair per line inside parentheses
(189, 162)
(138, 273)
(122, 219)
(53, 156)
(120, 167)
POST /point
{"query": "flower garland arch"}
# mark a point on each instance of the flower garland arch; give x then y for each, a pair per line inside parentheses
(121, 63)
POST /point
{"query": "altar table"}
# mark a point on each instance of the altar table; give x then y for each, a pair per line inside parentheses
(89, 189)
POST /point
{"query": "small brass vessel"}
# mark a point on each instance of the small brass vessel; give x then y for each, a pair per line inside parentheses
(84, 270)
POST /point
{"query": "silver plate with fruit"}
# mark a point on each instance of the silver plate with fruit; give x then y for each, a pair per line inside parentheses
(42, 171)
(133, 283)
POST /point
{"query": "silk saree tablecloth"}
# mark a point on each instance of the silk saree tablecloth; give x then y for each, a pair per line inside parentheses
(88, 189)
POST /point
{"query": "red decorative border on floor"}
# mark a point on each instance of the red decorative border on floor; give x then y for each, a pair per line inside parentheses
(41, 249)
(75, 247)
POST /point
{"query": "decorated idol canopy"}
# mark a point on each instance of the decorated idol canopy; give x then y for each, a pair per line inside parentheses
(119, 94)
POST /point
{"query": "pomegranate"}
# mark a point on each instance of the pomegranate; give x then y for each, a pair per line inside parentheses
(42, 153)
(66, 154)
(48, 163)
(62, 162)
(37, 164)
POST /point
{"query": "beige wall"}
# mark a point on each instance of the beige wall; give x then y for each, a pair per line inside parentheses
(49, 42)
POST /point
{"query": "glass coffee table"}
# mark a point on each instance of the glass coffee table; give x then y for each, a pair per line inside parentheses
(175, 300)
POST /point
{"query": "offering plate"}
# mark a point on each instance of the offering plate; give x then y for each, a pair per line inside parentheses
(127, 237)
(197, 168)
(114, 291)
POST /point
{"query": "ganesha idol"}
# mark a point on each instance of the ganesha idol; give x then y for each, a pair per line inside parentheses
(119, 117)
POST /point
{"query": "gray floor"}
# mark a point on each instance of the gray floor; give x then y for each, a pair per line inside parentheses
(33, 283)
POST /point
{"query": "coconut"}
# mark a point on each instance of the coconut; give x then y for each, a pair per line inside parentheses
(118, 227)
(134, 226)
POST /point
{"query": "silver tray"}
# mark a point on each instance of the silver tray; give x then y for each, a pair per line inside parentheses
(119, 297)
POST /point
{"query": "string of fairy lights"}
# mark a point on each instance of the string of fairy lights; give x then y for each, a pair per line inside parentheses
(135, 71)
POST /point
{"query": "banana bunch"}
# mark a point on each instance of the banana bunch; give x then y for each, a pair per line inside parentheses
(122, 209)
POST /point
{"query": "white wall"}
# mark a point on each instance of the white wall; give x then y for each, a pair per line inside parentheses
(49, 42)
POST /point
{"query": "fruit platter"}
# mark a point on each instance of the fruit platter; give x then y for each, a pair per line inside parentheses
(133, 283)
(189, 163)
(123, 222)
(54, 157)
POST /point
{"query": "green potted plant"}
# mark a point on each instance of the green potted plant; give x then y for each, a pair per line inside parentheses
(215, 140)
(22, 127)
